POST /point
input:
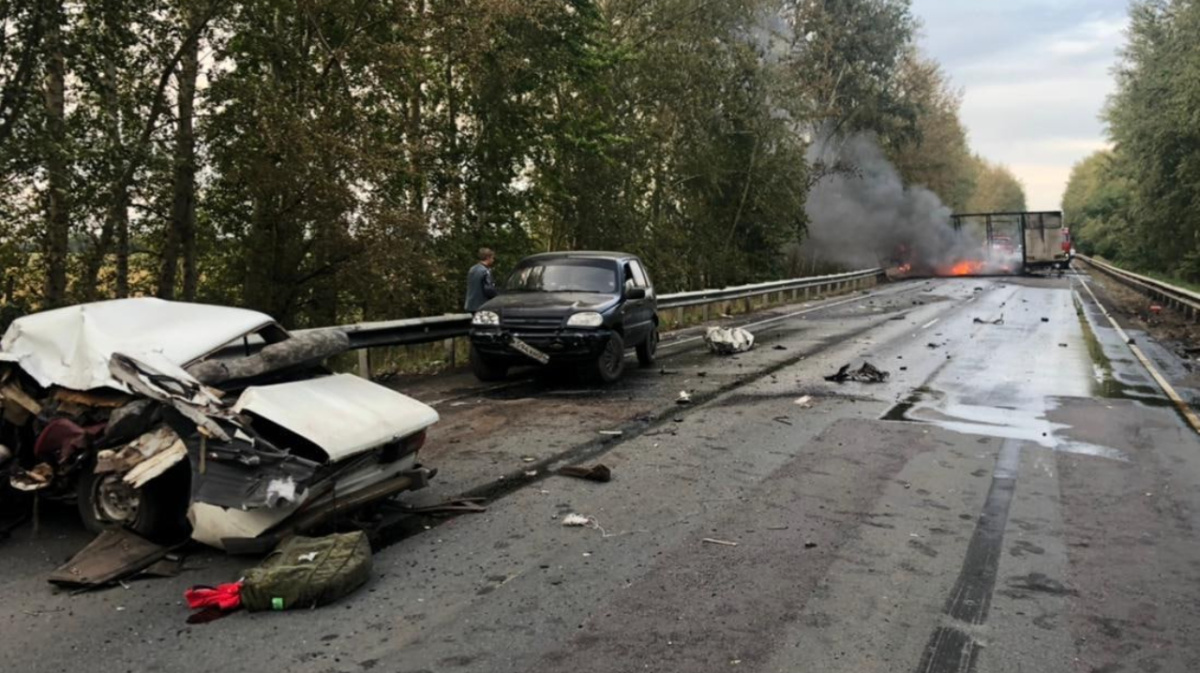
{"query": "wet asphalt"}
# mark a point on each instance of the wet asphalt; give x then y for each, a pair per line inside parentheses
(1018, 496)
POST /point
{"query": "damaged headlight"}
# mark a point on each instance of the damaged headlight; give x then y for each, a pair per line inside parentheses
(586, 319)
(485, 318)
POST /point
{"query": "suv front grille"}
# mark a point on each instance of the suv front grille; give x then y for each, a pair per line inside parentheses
(524, 323)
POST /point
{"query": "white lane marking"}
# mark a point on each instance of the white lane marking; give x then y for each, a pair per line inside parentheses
(931, 323)
(1184, 408)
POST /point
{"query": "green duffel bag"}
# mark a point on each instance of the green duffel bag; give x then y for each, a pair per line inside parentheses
(305, 572)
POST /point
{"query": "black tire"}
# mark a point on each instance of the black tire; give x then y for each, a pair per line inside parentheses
(611, 363)
(487, 369)
(156, 511)
(648, 348)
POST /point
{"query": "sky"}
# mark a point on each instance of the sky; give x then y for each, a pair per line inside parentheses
(1034, 77)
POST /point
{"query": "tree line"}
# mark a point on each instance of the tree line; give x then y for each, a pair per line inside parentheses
(1136, 204)
(336, 160)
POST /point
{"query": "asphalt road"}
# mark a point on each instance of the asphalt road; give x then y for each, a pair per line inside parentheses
(1017, 496)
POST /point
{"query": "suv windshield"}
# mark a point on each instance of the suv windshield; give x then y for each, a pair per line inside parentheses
(565, 275)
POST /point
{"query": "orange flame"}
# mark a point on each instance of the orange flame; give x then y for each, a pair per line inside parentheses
(967, 267)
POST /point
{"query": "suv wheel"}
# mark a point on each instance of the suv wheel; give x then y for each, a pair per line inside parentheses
(648, 348)
(487, 369)
(611, 363)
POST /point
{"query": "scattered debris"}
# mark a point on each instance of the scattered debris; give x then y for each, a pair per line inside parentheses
(684, 398)
(728, 340)
(997, 321)
(780, 347)
(783, 419)
(806, 402)
(612, 433)
(723, 543)
(933, 345)
(1155, 309)
(701, 374)
(599, 473)
(581, 521)
(1045, 320)
(868, 373)
(455, 506)
(810, 545)
(1062, 345)
(114, 555)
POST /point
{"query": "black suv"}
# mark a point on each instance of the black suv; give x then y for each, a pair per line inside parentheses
(568, 308)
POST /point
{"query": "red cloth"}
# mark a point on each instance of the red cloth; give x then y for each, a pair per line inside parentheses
(223, 596)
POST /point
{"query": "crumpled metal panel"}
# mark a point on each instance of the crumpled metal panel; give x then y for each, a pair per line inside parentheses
(343, 414)
(71, 347)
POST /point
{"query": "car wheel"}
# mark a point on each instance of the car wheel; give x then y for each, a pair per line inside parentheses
(487, 369)
(648, 348)
(611, 363)
(156, 511)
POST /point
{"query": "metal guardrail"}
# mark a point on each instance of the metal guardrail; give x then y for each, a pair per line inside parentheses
(1184, 300)
(414, 331)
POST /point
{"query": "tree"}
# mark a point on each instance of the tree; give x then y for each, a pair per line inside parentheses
(996, 189)
(937, 156)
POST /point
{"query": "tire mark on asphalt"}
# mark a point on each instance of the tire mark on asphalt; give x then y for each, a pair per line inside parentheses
(952, 649)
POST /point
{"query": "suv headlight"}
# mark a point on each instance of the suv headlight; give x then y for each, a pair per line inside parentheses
(586, 319)
(485, 318)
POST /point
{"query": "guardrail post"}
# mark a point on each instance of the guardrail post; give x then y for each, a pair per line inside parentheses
(451, 351)
(364, 363)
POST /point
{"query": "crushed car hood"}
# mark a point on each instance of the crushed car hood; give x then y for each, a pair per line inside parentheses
(517, 303)
(71, 347)
(343, 414)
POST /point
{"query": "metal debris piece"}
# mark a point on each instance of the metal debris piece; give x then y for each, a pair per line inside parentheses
(599, 473)
(34, 479)
(456, 506)
(684, 398)
(723, 543)
(728, 340)
(114, 555)
(868, 373)
(612, 433)
(576, 520)
(997, 321)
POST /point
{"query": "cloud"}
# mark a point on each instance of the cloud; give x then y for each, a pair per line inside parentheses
(1035, 77)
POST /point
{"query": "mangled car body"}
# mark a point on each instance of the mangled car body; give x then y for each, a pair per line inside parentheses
(165, 417)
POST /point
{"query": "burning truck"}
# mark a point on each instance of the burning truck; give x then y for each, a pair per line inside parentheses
(172, 419)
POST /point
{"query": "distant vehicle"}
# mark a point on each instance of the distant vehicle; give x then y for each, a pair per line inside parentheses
(557, 309)
(1048, 243)
(1038, 239)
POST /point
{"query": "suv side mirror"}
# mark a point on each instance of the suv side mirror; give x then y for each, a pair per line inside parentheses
(635, 293)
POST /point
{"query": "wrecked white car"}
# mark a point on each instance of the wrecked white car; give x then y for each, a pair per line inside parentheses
(165, 417)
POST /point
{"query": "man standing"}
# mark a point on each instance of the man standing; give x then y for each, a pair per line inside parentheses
(480, 286)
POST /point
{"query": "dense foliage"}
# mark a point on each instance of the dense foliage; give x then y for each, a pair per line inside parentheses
(1137, 204)
(336, 160)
